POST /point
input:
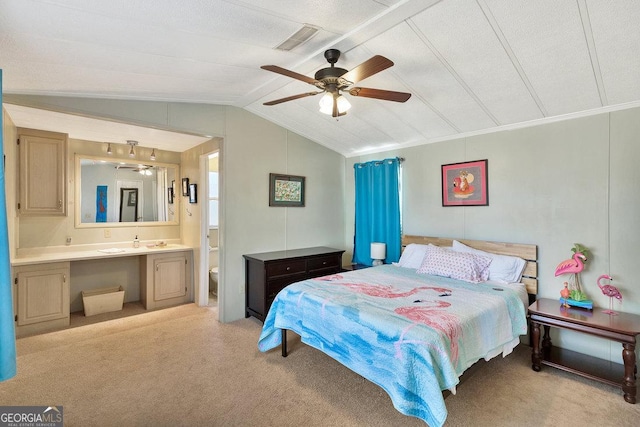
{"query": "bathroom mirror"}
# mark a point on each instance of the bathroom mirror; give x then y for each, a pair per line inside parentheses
(123, 192)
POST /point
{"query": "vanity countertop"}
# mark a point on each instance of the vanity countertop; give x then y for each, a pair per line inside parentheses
(43, 255)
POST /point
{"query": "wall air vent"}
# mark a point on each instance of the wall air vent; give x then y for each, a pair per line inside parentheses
(299, 37)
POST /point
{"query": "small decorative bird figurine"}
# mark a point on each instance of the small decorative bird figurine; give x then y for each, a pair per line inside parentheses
(573, 265)
(610, 291)
(565, 293)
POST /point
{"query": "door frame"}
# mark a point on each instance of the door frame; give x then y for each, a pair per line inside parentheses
(203, 288)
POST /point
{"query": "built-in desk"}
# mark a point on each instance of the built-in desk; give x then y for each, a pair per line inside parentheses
(43, 277)
(32, 256)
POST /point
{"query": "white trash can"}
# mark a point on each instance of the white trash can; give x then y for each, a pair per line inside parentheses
(102, 300)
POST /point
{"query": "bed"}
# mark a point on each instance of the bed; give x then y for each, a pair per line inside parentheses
(412, 332)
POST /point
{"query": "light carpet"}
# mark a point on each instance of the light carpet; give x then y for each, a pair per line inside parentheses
(181, 367)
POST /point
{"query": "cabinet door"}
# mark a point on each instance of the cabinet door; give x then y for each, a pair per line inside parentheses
(169, 278)
(42, 296)
(42, 173)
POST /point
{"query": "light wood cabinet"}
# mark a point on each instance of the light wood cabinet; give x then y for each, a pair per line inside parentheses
(43, 173)
(41, 297)
(165, 279)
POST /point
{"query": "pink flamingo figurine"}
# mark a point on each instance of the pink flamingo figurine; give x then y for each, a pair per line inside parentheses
(610, 291)
(573, 265)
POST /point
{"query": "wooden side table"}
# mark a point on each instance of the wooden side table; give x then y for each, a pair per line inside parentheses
(623, 328)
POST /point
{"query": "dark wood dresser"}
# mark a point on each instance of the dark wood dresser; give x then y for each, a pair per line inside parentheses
(268, 272)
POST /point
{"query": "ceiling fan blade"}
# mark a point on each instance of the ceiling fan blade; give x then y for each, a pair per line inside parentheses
(289, 73)
(290, 98)
(367, 69)
(387, 95)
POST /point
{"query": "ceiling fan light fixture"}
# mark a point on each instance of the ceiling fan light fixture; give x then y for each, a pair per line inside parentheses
(333, 80)
(326, 104)
(343, 104)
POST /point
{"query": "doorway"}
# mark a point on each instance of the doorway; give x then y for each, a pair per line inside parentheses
(128, 205)
(210, 265)
(129, 201)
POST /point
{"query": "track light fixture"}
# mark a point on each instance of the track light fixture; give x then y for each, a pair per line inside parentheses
(109, 148)
(153, 154)
(132, 144)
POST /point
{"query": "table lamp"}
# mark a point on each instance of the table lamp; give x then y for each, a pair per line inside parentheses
(378, 252)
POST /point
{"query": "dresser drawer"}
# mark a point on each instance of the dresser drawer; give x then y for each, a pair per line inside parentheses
(324, 262)
(287, 267)
(276, 285)
(268, 273)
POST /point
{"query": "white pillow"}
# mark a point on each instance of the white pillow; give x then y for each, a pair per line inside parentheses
(412, 256)
(503, 268)
(457, 265)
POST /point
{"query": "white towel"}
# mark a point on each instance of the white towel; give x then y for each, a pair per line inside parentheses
(111, 250)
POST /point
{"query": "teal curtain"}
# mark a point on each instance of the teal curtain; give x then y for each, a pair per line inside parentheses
(7, 328)
(377, 209)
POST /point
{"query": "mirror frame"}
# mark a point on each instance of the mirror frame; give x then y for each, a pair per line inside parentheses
(78, 187)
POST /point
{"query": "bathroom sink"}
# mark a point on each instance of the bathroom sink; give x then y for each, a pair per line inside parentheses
(160, 245)
(111, 250)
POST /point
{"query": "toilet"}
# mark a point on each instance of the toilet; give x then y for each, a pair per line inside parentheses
(213, 281)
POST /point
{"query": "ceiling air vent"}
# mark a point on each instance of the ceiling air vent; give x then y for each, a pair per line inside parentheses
(299, 37)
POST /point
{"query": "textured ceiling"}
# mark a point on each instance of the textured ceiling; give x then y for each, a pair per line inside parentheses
(471, 65)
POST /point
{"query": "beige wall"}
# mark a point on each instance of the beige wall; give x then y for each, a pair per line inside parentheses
(191, 213)
(250, 148)
(552, 185)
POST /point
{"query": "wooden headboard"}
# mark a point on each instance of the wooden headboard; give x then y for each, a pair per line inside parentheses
(527, 252)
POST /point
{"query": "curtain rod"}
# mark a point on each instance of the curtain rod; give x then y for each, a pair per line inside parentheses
(377, 162)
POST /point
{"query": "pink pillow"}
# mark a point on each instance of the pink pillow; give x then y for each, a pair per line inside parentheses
(457, 265)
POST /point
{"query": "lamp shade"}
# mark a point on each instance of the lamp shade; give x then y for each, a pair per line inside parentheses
(326, 104)
(378, 250)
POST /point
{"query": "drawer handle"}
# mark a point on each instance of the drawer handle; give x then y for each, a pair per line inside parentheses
(324, 263)
(288, 268)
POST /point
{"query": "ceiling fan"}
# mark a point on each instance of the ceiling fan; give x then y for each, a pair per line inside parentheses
(141, 169)
(334, 80)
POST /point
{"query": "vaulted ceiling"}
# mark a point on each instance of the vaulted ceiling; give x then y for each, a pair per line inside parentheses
(470, 65)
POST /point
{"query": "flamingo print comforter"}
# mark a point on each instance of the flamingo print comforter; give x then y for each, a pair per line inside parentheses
(411, 334)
